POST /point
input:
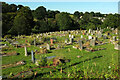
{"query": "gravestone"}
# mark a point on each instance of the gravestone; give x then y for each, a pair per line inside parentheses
(51, 40)
(99, 35)
(25, 51)
(95, 38)
(66, 41)
(72, 36)
(117, 47)
(71, 40)
(81, 36)
(89, 37)
(92, 42)
(32, 57)
(69, 35)
(89, 30)
(34, 42)
(80, 44)
(48, 47)
(114, 38)
(105, 37)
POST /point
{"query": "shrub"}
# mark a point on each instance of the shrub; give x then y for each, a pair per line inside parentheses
(42, 61)
(7, 36)
(107, 30)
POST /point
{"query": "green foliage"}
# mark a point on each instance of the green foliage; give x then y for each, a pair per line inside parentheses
(7, 36)
(40, 13)
(22, 22)
(64, 21)
(106, 30)
(42, 61)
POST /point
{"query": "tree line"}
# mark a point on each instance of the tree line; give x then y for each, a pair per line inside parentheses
(19, 20)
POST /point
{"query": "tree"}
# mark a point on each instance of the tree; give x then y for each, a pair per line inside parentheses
(20, 6)
(111, 21)
(50, 14)
(23, 21)
(5, 7)
(64, 21)
(52, 24)
(7, 22)
(91, 26)
(40, 13)
(77, 14)
(13, 8)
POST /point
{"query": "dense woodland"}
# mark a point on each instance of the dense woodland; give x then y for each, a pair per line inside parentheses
(21, 20)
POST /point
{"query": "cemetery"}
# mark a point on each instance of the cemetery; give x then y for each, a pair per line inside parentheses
(39, 42)
(61, 54)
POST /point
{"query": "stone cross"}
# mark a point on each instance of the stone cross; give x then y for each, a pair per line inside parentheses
(80, 44)
(32, 57)
(25, 51)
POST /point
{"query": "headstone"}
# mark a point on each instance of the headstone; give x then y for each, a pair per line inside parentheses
(114, 38)
(71, 40)
(95, 38)
(72, 36)
(48, 47)
(105, 37)
(34, 42)
(69, 35)
(117, 47)
(51, 40)
(26, 51)
(80, 44)
(66, 41)
(99, 35)
(89, 37)
(32, 57)
(92, 42)
(81, 36)
(89, 30)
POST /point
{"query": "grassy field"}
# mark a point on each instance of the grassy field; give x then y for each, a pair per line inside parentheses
(98, 64)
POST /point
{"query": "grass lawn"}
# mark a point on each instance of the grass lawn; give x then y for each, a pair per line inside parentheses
(98, 64)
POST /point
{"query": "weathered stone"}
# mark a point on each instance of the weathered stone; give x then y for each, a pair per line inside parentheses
(26, 51)
(92, 42)
(80, 44)
(48, 47)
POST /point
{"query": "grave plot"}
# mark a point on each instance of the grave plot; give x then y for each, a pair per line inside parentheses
(13, 65)
(10, 54)
(44, 53)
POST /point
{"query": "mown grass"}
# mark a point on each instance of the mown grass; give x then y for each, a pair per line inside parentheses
(96, 64)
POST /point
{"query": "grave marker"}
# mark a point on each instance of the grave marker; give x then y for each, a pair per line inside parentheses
(71, 40)
(32, 56)
(48, 47)
(34, 42)
(80, 44)
(117, 47)
(25, 51)
(114, 38)
(92, 42)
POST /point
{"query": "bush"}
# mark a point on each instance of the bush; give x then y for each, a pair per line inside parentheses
(107, 30)
(42, 61)
(7, 36)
